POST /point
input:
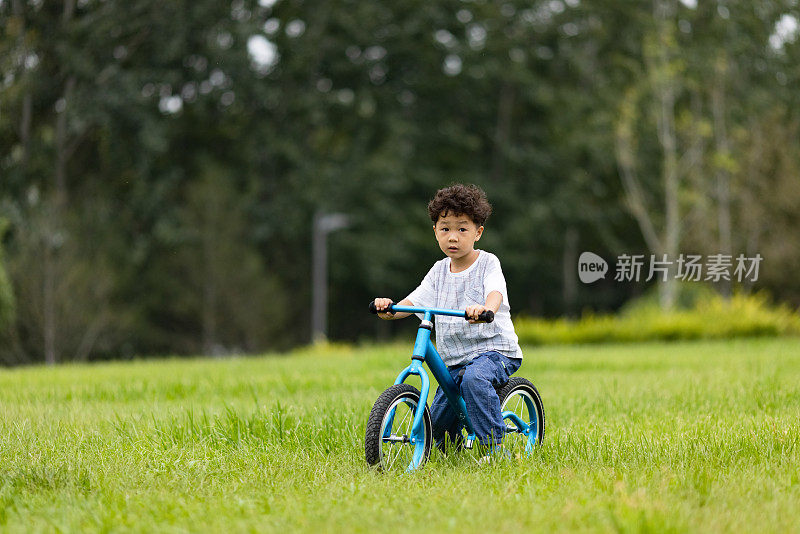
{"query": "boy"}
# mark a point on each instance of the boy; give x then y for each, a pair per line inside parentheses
(479, 356)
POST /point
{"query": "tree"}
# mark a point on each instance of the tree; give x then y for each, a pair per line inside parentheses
(7, 301)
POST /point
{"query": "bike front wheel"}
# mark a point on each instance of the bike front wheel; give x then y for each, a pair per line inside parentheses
(391, 443)
(523, 414)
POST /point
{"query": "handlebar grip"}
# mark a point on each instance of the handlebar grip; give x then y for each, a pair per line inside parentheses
(483, 317)
(374, 310)
(486, 316)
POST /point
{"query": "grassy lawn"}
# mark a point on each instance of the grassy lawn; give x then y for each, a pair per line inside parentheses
(694, 436)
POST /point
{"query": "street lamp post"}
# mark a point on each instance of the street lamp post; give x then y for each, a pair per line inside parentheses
(324, 224)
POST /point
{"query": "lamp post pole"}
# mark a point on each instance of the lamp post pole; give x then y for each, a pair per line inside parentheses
(324, 224)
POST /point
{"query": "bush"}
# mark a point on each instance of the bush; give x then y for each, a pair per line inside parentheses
(706, 315)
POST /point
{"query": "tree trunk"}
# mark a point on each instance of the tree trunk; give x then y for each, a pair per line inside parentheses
(69, 10)
(502, 132)
(53, 227)
(670, 176)
(209, 275)
(25, 129)
(665, 91)
(722, 172)
(569, 265)
(626, 160)
(18, 9)
(63, 151)
(55, 217)
(49, 301)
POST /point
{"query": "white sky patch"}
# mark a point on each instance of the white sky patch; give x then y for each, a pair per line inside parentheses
(271, 26)
(445, 38)
(224, 40)
(785, 32)
(217, 78)
(464, 16)
(476, 34)
(295, 28)
(263, 52)
(345, 96)
(375, 53)
(170, 104)
(691, 4)
(324, 85)
(189, 92)
(267, 3)
(452, 65)
(570, 29)
(31, 60)
(555, 6)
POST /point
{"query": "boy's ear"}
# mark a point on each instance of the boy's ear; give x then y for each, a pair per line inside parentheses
(480, 233)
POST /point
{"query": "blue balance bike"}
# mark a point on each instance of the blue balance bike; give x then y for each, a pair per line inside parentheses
(399, 431)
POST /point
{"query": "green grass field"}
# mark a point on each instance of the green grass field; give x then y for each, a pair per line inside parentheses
(694, 436)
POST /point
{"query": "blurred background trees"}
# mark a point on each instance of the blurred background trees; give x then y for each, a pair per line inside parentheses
(161, 162)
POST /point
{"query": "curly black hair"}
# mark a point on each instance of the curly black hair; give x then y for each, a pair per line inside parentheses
(460, 199)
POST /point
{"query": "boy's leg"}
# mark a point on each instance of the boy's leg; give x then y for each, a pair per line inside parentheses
(444, 420)
(480, 377)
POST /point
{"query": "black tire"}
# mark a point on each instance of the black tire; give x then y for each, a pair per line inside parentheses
(521, 396)
(403, 400)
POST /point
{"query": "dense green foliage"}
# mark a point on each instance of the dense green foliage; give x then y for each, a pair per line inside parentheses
(7, 304)
(710, 318)
(701, 436)
(161, 162)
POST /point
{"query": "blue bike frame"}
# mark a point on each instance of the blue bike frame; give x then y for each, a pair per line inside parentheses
(425, 350)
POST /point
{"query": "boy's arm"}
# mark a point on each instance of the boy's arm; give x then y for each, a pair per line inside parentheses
(382, 303)
(493, 301)
(423, 296)
(494, 286)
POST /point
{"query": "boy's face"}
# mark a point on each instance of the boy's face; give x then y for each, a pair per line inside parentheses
(456, 234)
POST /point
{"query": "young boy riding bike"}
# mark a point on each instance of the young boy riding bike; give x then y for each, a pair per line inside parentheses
(479, 356)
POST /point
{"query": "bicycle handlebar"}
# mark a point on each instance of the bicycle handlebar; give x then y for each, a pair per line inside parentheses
(374, 310)
(486, 316)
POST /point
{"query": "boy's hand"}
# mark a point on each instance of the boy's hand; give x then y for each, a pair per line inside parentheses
(382, 304)
(474, 311)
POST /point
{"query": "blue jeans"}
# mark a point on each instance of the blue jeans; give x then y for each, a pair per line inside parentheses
(476, 380)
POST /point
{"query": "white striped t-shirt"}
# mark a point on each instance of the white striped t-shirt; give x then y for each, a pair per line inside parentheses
(457, 340)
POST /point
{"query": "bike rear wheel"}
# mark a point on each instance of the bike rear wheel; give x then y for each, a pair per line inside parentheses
(520, 399)
(390, 443)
